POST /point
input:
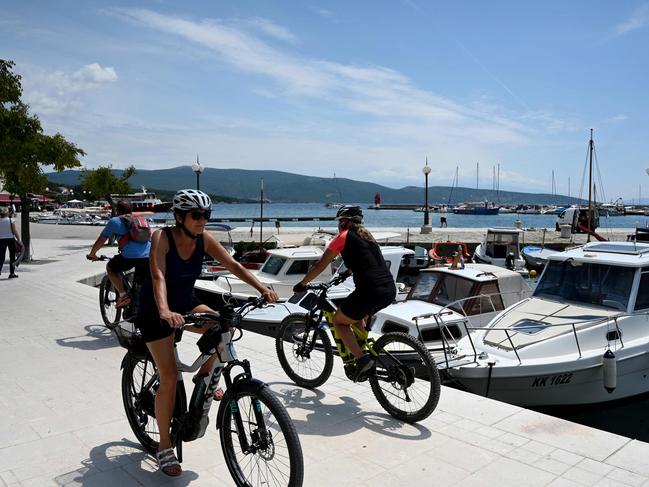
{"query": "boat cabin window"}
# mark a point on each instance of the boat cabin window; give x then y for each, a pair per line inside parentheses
(583, 282)
(450, 289)
(424, 285)
(273, 264)
(300, 267)
(489, 302)
(642, 299)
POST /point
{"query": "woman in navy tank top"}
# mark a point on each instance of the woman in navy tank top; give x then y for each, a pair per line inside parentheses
(168, 293)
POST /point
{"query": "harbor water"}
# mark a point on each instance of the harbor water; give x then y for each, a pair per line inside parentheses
(403, 218)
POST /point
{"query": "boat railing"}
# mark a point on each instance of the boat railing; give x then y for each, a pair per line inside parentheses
(509, 332)
(458, 306)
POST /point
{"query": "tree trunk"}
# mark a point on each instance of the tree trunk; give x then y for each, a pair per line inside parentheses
(24, 225)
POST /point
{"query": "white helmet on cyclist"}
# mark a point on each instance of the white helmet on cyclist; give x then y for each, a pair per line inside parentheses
(191, 199)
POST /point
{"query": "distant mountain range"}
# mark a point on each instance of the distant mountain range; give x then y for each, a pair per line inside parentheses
(283, 187)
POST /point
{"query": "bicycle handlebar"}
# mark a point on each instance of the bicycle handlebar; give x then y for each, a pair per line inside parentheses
(323, 286)
(101, 257)
(227, 315)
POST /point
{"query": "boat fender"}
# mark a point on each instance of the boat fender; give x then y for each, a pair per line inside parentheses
(610, 371)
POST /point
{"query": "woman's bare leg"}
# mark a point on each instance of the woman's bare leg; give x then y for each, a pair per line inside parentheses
(163, 355)
(342, 324)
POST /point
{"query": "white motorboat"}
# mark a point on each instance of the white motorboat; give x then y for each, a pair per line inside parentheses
(582, 338)
(535, 256)
(501, 247)
(284, 268)
(443, 299)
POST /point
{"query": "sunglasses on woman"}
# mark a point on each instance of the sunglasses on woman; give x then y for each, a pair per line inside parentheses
(197, 215)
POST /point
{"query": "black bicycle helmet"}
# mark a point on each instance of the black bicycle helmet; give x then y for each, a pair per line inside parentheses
(349, 212)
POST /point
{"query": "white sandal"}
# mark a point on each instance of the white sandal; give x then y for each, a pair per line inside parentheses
(167, 462)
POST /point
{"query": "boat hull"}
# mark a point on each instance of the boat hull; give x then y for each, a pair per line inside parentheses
(476, 211)
(570, 383)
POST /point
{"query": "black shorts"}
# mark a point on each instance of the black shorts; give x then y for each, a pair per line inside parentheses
(121, 264)
(363, 302)
(152, 328)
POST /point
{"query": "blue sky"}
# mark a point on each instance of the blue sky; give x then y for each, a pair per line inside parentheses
(363, 89)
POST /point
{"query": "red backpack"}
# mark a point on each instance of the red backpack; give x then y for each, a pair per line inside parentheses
(138, 230)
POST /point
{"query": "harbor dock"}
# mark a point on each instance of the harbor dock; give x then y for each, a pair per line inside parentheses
(64, 423)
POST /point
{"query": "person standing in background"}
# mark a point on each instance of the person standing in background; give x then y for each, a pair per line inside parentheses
(8, 237)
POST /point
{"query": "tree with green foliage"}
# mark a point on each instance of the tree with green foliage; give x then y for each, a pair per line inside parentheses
(24, 149)
(103, 182)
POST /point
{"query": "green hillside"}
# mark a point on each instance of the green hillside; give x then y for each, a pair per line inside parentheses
(283, 187)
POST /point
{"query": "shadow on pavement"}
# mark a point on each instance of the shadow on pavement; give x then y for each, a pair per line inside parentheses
(97, 337)
(120, 463)
(342, 418)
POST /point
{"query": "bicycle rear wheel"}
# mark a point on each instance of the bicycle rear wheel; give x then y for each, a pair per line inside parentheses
(139, 385)
(110, 313)
(304, 352)
(273, 454)
(405, 380)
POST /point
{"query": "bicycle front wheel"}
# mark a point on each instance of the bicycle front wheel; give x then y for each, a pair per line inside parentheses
(405, 380)
(139, 385)
(304, 351)
(259, 441)
(110, 313)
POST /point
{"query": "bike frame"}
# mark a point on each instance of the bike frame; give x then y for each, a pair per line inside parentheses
(190, 421)
(328, 310)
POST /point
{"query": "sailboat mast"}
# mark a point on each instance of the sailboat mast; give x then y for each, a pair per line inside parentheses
(590, 183)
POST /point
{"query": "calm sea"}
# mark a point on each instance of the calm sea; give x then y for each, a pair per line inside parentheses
(403, 218)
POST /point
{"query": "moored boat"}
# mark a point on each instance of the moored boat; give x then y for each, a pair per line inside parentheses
(582, 337)
(501, 247)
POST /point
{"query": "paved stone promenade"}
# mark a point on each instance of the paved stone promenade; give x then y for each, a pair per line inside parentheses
(62, 420)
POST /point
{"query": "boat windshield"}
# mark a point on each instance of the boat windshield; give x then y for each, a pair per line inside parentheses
(598, 284)
(425, 284)
(451, 289)
(273, 265)
(442, 289)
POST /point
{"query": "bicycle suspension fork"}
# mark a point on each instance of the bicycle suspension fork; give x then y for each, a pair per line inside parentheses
(259, 436)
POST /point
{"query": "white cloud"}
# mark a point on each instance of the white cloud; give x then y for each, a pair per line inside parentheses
(93, 74)
(638, 20)
(270, 28)
(377, 92)
(620, 117)
(58, 91)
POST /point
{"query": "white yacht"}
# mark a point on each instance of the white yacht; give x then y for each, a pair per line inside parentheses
(582, 338)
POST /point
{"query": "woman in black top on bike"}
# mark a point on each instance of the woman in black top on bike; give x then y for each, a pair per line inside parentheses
(374, 284)
(168, 293)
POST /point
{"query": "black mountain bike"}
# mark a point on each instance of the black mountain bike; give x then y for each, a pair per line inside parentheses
(110, 313)
(259, 441)
(404, 379)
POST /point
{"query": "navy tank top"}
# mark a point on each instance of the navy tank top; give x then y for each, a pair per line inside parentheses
(180, 277)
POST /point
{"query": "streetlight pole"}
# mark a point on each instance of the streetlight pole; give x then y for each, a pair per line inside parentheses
(261, 215)
(198, 169)
(426, 227)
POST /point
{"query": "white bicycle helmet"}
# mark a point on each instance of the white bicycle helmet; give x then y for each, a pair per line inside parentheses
(191, 199)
